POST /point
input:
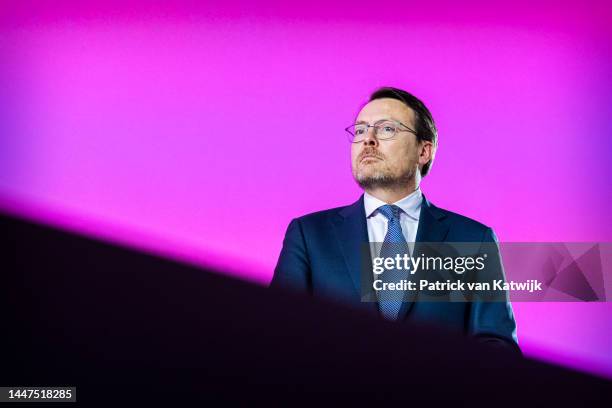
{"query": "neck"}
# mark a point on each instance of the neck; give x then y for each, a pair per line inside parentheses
(392, 195)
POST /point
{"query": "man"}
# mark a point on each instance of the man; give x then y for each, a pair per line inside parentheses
(394, 141)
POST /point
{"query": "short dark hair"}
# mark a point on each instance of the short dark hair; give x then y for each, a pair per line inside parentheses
(424, 123)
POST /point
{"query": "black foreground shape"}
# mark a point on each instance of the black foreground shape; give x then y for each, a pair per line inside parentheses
(121, 325)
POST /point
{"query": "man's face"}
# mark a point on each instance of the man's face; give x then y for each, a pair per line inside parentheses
(386, 163)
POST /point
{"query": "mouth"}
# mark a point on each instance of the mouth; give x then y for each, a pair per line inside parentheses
(369, 158)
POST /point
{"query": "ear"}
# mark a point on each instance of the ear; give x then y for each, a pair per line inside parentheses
(426, 152)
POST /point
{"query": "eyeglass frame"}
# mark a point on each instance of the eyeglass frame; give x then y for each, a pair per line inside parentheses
(375, 126)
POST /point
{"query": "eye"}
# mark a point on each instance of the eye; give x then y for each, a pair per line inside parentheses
(359, 131)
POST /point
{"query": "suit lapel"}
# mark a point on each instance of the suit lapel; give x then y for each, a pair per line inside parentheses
(432, 228)
(352, 233)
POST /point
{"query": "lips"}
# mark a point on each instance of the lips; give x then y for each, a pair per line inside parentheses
(369, 157)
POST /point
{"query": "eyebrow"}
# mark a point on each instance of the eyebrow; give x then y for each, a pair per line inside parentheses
(363, 122)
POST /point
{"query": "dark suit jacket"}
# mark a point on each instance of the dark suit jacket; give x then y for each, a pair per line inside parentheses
(322, 255)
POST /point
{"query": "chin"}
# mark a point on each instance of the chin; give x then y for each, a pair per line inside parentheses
(371, 178)
(374, 173)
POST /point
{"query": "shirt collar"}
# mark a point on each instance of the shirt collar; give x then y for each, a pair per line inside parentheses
(411, 204)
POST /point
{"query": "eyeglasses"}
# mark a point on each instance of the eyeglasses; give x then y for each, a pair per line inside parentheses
(383, 129)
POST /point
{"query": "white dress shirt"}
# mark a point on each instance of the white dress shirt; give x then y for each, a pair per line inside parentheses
(409, 217)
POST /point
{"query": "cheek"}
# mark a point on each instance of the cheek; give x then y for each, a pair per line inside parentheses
(354, 153)
(404, 156)
(411, 150)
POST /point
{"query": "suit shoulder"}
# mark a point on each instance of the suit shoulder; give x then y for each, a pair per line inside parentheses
(320, 216)
(461, 221)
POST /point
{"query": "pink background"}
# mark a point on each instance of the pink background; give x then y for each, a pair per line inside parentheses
(198, 130)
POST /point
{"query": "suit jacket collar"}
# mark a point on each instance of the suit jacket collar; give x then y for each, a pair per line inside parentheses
(352, 234)
(432, 226)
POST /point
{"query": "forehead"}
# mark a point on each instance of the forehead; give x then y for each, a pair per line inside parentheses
(386, 108)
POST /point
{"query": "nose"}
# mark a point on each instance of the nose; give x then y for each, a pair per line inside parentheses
(370, 137)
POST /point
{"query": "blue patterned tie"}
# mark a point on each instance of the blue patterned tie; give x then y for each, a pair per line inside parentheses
(390, 301)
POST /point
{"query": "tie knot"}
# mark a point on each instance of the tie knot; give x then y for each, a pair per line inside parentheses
(391, 212)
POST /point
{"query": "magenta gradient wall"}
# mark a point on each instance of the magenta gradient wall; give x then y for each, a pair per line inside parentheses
(199, 130)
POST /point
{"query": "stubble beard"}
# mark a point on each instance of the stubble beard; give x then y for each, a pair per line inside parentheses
(383, 179)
